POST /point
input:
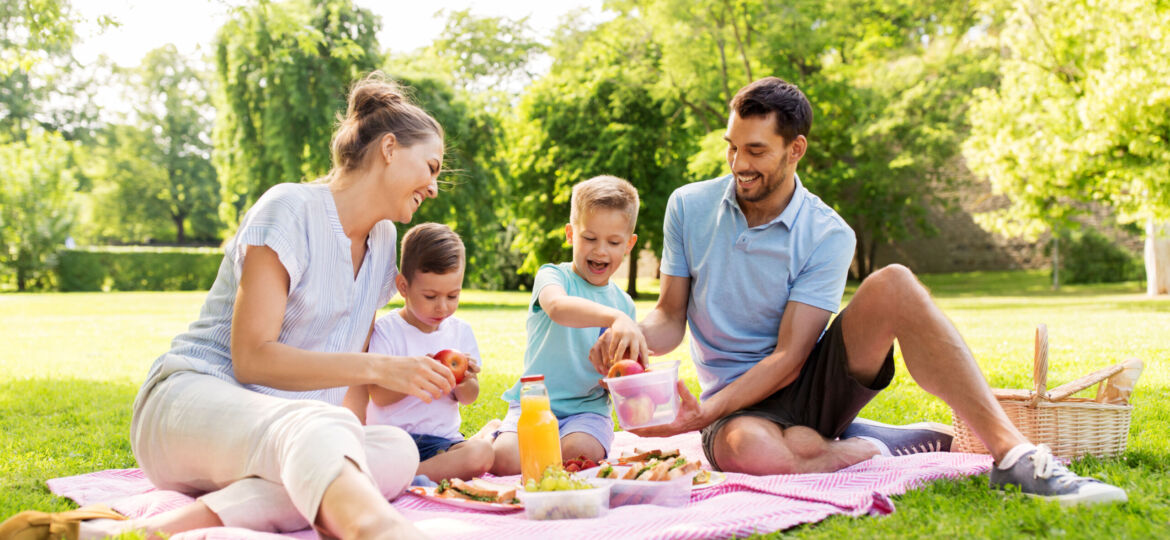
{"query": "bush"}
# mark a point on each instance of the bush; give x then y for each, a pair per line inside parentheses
(137, 268)
(1090, 257)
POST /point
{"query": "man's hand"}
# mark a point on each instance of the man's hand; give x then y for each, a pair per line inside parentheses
(690, 417)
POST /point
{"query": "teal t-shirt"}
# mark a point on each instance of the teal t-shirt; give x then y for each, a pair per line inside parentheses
(561, 353)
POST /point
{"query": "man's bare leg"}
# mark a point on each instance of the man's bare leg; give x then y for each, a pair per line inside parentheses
(758, 446)
(892, 304)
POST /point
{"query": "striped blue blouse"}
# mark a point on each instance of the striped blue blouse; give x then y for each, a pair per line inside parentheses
(328, 309)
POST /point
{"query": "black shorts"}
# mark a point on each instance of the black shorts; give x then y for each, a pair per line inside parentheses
(824, 397)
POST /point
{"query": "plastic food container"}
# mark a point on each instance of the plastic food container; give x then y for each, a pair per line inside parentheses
(570, 504)
(646, 399)
(675, 492)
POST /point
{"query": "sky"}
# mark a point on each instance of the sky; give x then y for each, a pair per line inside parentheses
(191, 24)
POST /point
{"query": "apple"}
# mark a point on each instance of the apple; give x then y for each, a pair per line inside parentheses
(659, 392)
(636, 411)
(455, 361)
(621, 368)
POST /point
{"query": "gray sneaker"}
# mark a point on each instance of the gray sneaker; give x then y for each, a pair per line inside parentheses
(904, 440)
(1038, 474)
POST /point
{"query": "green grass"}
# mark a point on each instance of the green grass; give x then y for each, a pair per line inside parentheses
(71, 364)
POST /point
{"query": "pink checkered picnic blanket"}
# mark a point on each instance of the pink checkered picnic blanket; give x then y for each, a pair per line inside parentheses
(739, 506)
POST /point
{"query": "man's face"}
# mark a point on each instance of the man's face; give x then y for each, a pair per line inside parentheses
(758, 157)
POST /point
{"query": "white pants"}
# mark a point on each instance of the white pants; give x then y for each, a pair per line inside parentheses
(263, 462)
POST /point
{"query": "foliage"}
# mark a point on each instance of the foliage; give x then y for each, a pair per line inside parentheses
(282, 72)
(486, 53)
(595, 113)
(40, 82)
(1088, 256)
(471, 194)
(36, 205)
(32, 30)
(153, 178)
(137, 269)
(1082, 112)
(886, 81)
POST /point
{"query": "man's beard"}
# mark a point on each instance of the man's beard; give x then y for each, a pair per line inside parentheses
(768, 185)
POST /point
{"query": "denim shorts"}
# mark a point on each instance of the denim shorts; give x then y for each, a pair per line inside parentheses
(595, 425)
(429, 445)
(824, 397)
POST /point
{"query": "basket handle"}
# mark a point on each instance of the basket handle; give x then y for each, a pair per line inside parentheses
(1040, 365)
(1070, 388)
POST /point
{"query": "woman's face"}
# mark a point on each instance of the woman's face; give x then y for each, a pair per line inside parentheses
(411, 177)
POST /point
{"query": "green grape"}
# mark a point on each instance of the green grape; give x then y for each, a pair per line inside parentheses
(530, 485)
(548, 484)
(563, 484)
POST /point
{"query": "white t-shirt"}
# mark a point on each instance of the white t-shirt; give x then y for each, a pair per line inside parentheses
(396, 337)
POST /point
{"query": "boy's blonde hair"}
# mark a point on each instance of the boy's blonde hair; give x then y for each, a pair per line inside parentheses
(606, 192)
(432, 248)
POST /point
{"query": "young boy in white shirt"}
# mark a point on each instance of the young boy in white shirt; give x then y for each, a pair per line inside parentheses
(431, 279)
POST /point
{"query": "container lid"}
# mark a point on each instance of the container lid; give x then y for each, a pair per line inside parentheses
(531, 378)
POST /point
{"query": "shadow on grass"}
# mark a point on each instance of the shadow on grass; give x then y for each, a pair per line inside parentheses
(55, 428)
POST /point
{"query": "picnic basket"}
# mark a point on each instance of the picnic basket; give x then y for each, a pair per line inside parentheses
(1072, 427)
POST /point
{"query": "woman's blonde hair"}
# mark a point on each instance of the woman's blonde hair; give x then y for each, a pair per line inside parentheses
(378, 106)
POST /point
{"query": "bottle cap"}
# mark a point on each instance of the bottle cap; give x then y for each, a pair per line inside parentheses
(531, 378)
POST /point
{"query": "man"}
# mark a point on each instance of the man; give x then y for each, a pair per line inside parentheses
(757, 265)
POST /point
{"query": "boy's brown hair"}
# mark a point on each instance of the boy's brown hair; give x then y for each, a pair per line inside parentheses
(433, 248)
(607, 192)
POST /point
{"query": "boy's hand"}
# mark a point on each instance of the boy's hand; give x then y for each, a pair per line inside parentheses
(418, 376)
(624, 339)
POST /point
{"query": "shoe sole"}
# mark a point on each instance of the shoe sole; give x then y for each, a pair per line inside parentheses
(1089, 498)
(929, 426)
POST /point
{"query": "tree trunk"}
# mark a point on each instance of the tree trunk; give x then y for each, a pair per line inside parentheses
(1055, 261)
(180, 234)
(1157, 258)
(862, 257)
(632, 286)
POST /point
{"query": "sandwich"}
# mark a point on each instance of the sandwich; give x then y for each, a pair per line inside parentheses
(479, 490)
(646, 455)
(656, 470)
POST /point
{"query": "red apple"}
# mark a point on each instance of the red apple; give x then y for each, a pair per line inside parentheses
(455, 361)
(659, 392)
(636, 411)
(621, 368)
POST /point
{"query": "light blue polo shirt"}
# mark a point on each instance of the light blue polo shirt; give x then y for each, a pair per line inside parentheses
(742, 278)
(561, 353)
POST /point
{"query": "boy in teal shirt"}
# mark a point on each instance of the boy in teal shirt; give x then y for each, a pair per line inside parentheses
(570, 302)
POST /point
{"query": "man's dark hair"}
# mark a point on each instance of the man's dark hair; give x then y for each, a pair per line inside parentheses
(772, 95)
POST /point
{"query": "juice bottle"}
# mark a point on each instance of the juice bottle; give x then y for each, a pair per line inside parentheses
(540, 438)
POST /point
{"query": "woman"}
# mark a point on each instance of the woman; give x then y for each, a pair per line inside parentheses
(245, 406)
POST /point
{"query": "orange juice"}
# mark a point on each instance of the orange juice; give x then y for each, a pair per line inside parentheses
(540, 437)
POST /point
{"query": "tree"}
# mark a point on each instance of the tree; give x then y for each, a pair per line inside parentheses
(153, 176)
(282, 72)
(886, 81)
(465, 79)
(596, 113)
(41, 85)
(1081, 115)
(36, 204)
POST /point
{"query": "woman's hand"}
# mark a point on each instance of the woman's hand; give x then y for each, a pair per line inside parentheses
(418, 376)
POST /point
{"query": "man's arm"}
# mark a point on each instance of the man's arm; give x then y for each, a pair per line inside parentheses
(800, 327)
(666, 325)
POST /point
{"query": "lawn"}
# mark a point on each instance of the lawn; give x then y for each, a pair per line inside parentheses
(71, 364)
